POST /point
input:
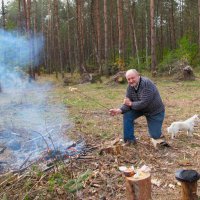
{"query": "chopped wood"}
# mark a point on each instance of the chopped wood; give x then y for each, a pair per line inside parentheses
(116, 141)
(95, 185)
(115, 150)
(185, 163)
(86, 157)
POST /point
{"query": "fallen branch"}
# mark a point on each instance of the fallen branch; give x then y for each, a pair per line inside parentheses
(42, 136)
(5, 181)
(3, 149)
(25, 161)
(86, 157)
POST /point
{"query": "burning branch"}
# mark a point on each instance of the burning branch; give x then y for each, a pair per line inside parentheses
(49, 136)
(42, 138)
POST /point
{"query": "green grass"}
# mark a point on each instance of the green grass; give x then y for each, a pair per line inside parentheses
(89, 107)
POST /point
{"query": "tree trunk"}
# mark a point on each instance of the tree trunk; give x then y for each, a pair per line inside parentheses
(3, 14)
(146, 35)
(199, 23)
(98, 23)
(49, 52)
(27, 14)
(19, 24)
(80, 35)
(153, 39)
(112, 31)
(35, 65)
(134, 32)
(105, 33)
(43, 32)
(121, 28)
(69, 50)
(130, 27)
(95, 33)
(161, 31)
(171, 22)
(57, 35)
(181, 18)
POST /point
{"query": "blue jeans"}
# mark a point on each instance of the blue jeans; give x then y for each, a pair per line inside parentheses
(154, 124)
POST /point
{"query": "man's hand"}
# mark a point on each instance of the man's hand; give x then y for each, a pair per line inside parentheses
(128, 102)
(115, 111)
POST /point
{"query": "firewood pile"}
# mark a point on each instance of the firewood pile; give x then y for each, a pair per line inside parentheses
(118, 78)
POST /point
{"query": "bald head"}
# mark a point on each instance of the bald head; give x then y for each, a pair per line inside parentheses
(132, 71)
(132, 77)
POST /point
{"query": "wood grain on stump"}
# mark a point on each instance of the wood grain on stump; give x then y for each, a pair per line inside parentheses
(139, 188)
(189, 190)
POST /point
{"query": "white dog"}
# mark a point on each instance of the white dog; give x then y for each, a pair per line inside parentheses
(187, 125)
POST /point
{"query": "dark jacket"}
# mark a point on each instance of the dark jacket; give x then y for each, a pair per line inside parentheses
(145, 99)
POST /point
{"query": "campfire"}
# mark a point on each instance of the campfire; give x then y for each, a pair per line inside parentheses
(34, 129)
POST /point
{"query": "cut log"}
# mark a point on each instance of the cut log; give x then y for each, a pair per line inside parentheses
(115, 150)
(139, 188)
(189, 190)
(188, 179)
(118, 78)
(85, 78)
(188, 73)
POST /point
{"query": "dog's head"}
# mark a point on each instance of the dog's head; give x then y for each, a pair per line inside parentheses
(169, 129)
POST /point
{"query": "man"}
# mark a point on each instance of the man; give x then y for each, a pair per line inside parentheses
(142, 99)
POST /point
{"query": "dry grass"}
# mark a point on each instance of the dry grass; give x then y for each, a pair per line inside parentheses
(88, 109)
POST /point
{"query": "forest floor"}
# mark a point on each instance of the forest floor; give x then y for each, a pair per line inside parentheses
(97, 176)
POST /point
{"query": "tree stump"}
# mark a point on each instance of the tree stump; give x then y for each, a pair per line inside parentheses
(189, 190)
(95, 78)
(85, 78)
(139, 188)
(188, 179)
(181, 71)
(115, 150)
(118, 78)
(188, 73)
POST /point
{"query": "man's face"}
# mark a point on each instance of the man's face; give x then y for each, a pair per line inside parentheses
(133, 79)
